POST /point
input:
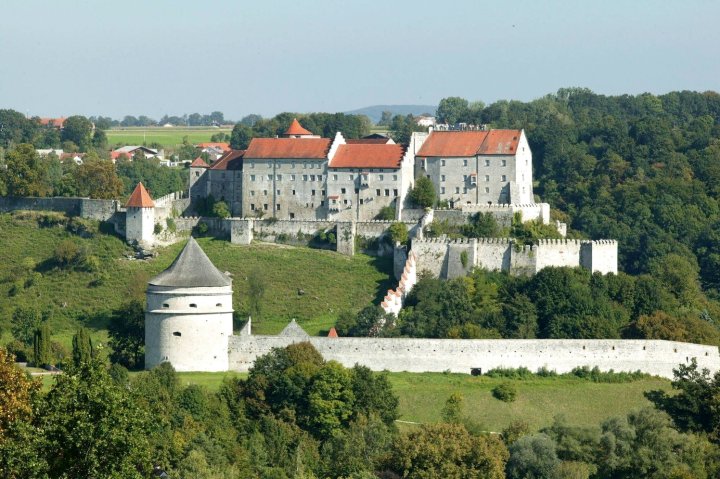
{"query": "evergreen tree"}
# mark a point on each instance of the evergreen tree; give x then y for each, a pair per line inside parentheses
(82, 346)
(41, 346)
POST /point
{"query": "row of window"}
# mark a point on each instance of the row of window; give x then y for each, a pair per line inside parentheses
(470, 177)
(365, 177)
(487, 162)
(293, 193)
(292, 177)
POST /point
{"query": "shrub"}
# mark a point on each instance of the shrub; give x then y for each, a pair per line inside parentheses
(19, 350)
(170, 223)
(505, 392)
(201, 228)
(510, 373)
(387, 213)
(221, 210)
(66, 253)
(398, 232)
(158, 229)
(423, 194)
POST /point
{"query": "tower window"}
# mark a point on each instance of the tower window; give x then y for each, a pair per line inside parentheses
(219, 305)
(177, 333)
(193, 305)
(165, 305)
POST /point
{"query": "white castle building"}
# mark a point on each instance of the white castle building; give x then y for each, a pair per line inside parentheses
(188, 322)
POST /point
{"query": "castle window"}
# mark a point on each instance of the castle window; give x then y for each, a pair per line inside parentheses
(387, 192)
(252, 207)
(487, 177)
(457, 189)
(252, 164)
(252, 193)
(503, 178)
(342, 191)
(503, 163)
(464, 162)
(442, 162)
(442, 177)
(442, 190)
(487, 190)
(465, 189)
(279, 177)
(322, 192)
(312, 177)
(394, 177)
(265, 192)
(351, 177)
(382, 177)
(292, 165)
(252, 177)
(319, 177)
(293, 192)
(278, 207)
(312, 193)
(277, 192)
(362, 201)
(487, 162)
(395, 192)
(377, 192)
(292, 177)
(177, 333)
(265, 206)
(193, 305)
(334, 177)
(165, 305)
(304, 177)
(292, 216)
(219, 305)
(269, 177)
(197, 173)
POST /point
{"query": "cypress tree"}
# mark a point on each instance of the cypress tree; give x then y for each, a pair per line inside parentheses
(81, 347)
(41, 346)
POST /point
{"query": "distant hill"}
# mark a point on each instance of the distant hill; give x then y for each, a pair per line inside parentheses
(375, 112)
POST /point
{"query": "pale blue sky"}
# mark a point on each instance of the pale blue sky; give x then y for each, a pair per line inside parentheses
(155, 57)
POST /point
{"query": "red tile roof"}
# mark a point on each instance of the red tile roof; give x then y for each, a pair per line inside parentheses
(368, 141)
(332, 333)
(231, 160)
(56, 122)
(140, 198)
(296, 128)
(288, 148)
(214, 144)
(368, 156)
(470, 143)
(199, 163)
(452, 143)
(500, 142)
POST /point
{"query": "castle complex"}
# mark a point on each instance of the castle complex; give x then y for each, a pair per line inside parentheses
(303, 176)
(188, 322)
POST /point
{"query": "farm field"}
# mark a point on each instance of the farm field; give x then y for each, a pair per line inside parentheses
(167, 137)
(330, 282)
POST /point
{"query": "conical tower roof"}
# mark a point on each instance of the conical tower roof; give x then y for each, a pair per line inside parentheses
(140, 198)
(191, 269)
(296, 128)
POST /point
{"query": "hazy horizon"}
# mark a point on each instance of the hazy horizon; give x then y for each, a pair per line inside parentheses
(176, 57)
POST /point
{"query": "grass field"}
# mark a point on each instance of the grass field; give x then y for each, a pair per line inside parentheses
(539, 400)
(168, 137)
(331, 282)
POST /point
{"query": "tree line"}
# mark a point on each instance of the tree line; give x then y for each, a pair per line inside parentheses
(296, 415)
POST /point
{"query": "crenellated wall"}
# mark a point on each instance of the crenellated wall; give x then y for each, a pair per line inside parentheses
(462, 355)
(444, 258)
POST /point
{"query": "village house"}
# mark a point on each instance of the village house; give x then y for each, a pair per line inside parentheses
(129, 152)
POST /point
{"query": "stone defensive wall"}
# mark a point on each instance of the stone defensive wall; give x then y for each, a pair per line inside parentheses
(654, 357)
(453, 258)
(503, 213)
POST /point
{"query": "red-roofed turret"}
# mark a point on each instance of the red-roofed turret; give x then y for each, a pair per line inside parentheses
(140, 198)
(296, 130)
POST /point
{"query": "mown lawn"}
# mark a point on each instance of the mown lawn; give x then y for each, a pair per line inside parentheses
(167, 137)
(330, 282)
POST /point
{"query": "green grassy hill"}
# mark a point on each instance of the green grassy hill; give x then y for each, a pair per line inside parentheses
(330, 282)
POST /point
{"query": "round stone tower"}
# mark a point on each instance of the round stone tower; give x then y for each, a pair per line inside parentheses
(189, 314)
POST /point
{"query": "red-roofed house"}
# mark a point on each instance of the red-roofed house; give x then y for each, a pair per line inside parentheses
(477, 167)
(366, 177)
(214, 149)
(53, 122)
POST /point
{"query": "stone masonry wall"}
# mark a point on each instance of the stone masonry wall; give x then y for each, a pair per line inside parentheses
(461, 355)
